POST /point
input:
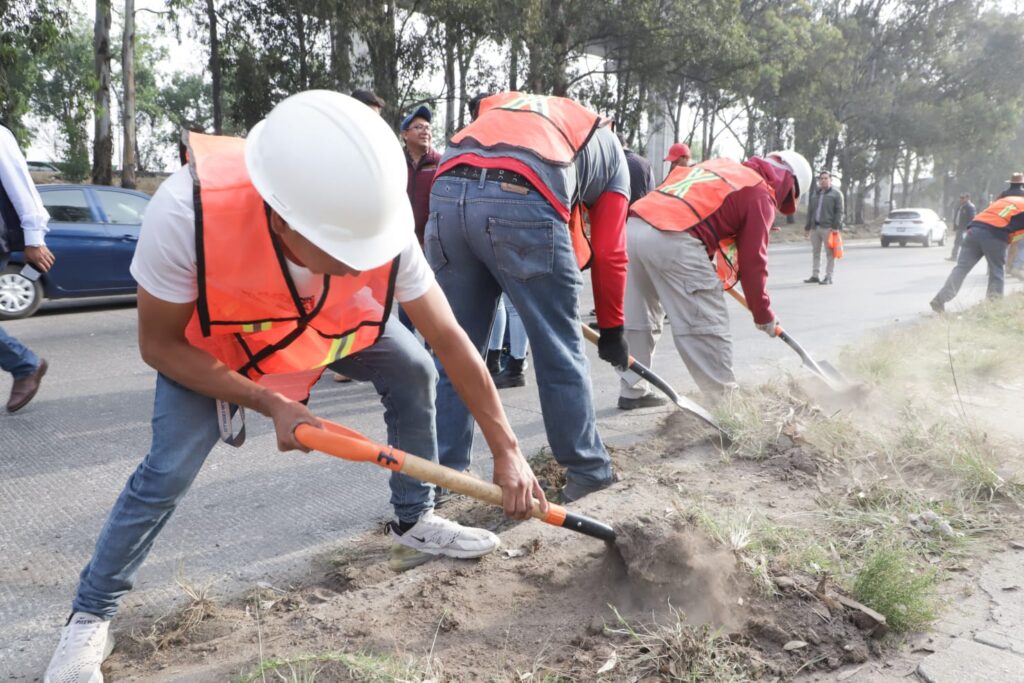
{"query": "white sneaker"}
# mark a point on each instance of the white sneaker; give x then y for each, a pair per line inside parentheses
(84, 644)
(435, 535)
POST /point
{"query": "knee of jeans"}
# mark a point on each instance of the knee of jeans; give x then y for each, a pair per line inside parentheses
(420, 377)
(160, 489)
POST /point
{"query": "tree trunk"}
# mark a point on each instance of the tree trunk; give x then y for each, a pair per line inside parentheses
(464, 53)
(103, 144)
(513, 64)
(341, 48)
(449, 82)
(830, 154)
(128, 75)
(300, 33)
(218, 95)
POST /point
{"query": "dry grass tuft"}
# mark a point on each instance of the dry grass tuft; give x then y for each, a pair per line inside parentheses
(179, 627)
(676, 651)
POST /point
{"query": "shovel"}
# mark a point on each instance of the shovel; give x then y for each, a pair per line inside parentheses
(823, 369)
(637, 371)
(347, 444)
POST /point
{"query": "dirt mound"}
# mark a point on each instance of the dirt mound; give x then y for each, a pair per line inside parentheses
(548, 605)
(671, 562)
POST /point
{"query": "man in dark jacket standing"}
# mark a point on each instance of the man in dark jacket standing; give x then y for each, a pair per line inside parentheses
(824, 214)
(964, 215)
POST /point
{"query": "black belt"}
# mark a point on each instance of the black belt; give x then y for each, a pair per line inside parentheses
(498, 175)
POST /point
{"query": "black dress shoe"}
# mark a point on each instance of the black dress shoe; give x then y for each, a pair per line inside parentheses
(645, 401)
(812, 279)
(826, 281)
(512, 376)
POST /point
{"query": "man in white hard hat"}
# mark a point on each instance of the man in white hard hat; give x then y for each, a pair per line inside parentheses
(259, 265)
(705, 225)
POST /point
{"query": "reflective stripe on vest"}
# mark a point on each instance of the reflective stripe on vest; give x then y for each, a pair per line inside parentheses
(553, 129)
(692, 193)
(249, 314)
(999, 213)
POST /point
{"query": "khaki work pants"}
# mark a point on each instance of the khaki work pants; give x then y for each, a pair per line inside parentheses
(669, 272)
(819, 240)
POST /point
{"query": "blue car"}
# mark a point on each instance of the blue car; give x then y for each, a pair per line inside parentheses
(93, 233)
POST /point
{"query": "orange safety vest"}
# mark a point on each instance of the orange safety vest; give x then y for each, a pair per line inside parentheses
(692, 193)
(553, 129)
(249, 314)
(999, 213)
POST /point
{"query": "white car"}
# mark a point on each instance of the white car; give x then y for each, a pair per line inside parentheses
(913, 225)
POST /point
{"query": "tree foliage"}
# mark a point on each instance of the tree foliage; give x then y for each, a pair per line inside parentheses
(883, 92)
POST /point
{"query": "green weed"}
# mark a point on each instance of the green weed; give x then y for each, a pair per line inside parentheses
(892, 583)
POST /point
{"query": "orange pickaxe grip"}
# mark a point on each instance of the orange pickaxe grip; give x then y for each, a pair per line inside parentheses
(348, 444)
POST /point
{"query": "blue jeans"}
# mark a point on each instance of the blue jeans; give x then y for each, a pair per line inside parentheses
(185, 430)
(15, 357)
(978, 243)
(482, 241)
(507, 316)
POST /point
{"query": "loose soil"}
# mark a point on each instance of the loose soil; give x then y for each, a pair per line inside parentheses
(547, 602)
(676, 597)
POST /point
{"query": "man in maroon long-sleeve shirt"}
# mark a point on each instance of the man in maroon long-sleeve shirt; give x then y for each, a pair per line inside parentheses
(422, 160)
(703, 225)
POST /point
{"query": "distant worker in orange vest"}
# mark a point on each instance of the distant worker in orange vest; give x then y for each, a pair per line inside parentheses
(988, 235)
(260, 264)
(506, 215)
(705, 225)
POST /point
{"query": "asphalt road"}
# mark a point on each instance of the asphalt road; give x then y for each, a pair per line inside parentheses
(254, 513)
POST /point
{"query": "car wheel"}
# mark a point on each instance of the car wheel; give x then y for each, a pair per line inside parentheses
(19, 296)
(942, 240)
(885, 242)
(903, 243)
(927, 242)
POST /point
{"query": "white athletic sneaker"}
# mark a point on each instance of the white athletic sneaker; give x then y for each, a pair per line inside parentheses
(84, 644)
(435, 535)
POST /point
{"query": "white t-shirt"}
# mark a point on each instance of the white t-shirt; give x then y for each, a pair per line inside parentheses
(165, 258)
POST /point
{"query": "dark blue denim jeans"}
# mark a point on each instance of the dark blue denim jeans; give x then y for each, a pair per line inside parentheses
(482, 240)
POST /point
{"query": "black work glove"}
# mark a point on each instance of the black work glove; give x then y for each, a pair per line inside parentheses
(612, 347)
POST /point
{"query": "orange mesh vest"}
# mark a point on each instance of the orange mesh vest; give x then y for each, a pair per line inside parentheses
(999, 213)
(692, 193)
(249, 314)
(553, 129)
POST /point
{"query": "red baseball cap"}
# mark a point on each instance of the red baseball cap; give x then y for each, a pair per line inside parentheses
(679, 149)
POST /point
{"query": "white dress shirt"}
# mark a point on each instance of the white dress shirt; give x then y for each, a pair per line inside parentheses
(22, 191)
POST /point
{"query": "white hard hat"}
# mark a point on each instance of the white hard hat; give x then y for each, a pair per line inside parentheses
(800, 169)
(331, 168)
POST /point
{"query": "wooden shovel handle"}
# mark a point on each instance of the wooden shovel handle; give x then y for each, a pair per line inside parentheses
(348, 444)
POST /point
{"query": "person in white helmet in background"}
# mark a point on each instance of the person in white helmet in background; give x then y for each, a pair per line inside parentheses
(705, 225)
(260, 264)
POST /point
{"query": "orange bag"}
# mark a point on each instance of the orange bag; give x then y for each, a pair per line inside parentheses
(835, 243)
